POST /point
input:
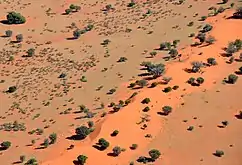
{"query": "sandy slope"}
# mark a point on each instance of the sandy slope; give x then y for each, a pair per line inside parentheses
(170, 135)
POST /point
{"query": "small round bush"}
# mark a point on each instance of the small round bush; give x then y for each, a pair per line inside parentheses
(31, 161)
(19, 38)
(76, 33)
(154, 154)
(145, 101)
(82, 159)
(103, 143)
(82, 132)
(167, 89)
(200, 80)
(53, 138)
(9, 33)
(115, 133)
(133, 146)
(232, 78)
(117, 150)
(211, 61)
(219, 153)
(30, 52)
(12, 89)
(167, 110)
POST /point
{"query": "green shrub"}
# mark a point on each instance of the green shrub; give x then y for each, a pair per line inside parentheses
(9, 33)
(22, 158)
(175, 87)
(219, 153)
(167, 110)
(115, 133)
(203, 18)
(82, 132)
(30, 52)
(82, 159)
(142, 83)
(19, 38)
(167, 89)
(146, 101)
(53, 138)
(5, 145)
(68, 11)
(200, 80)
(122, 59)
(154, 154)
(104, 144)
(154, 84)
(76, 33)
(211, 61)
(117, 150)
(31, 161)
(12, 89)
(210, 40)
(90, 124)
(133, 146)
(232, 78)
(15, 18)
(146, 109)
(46, 143)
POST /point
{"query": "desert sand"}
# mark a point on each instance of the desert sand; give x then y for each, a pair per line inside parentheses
(51, 104)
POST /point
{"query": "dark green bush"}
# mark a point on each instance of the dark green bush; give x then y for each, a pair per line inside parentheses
(30, 52)
(82, 132)
(146, 109)
(219, 153)
(115, 133)
(232, 78)
(211, 61)
(167, 89)
(133, 146)
(104, 144)
(53, 138)
(5, 145)
(154, 154)
(15, 18)
(12, 89)
(145, 101)
(82, 159)
(166, 110)
(200, 80)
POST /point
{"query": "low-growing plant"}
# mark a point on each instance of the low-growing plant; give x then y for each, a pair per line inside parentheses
(133, 146)
(5, 145)
(219, 153)
(117, 150)
(115, 133)
(211, 61)
(82, 159)
(167, 89)
(8, 33)
(232, 79)
(154, 154)
(104, 144)
(146, 101)
(166, 110)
